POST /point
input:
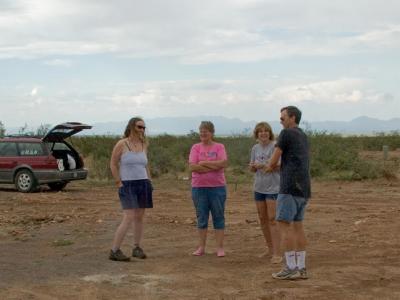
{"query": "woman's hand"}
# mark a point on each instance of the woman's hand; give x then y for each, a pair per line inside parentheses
(119, 183)
(268, 169)
(257, 165)
(252, 166)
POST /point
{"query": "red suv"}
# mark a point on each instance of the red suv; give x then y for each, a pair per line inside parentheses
(28, 161)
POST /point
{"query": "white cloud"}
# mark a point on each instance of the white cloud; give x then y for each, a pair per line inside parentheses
(237, 58)
(235, 98)
(388, 37)
(245, 99)
(194, 32)
(335, 91)
(58, 63)
(34, 91)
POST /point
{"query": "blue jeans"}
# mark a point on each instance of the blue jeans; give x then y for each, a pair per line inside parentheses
(206, 200)
(290, 208)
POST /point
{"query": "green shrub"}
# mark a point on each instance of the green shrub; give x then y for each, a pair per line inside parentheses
(366, 170)
(332, 155)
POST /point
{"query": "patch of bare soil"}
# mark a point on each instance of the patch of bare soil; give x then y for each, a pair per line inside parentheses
(54, 245)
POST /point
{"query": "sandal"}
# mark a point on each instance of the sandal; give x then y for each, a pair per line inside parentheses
(276, 259)
(220, 252)
(198, 252)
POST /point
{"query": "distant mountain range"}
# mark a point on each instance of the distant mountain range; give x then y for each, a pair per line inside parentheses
(234, 126)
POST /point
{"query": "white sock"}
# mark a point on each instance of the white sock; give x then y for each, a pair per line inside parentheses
(301, 259)
(290, 259)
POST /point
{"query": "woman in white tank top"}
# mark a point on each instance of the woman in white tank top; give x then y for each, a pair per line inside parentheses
(129, 167)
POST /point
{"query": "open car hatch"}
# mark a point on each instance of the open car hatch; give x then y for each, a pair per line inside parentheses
(62, 131)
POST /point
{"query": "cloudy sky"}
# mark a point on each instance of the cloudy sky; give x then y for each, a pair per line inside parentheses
(100, 60)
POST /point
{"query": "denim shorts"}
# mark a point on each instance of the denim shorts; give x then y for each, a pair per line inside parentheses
(263, 197)
(206, 200)
(136, 194)
(290, 208)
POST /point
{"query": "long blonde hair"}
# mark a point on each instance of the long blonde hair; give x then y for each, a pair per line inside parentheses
(131, 127)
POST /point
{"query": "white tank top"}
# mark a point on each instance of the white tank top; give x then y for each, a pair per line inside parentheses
(133, 166)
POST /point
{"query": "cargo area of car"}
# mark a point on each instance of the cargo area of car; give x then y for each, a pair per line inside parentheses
(68, 159)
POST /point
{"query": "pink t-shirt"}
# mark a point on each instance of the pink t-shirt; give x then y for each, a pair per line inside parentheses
(201, 152)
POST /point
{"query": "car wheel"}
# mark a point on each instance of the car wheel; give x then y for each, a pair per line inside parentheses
(25, 182)
(57, 186)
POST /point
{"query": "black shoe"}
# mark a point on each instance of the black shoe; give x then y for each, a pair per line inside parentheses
(303, 273)
(138, 252)
(118, 256)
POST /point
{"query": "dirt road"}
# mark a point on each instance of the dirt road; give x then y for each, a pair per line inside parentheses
(54, 245)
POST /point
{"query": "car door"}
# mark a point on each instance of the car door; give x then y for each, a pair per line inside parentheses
(8, 160)
(34, 155)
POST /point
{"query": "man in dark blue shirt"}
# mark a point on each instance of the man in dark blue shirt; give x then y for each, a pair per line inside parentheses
(293, 150)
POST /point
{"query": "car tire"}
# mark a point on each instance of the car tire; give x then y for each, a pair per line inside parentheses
(57, 186)
(25, 182)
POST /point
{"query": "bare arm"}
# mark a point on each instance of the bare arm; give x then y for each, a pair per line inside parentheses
(274, 161)
(277, 167)
(253, 166)
(148, 172)
(114, 162)
(206, 166)
(214, 164)
(198, 168)
(194, 165)
(147, 166)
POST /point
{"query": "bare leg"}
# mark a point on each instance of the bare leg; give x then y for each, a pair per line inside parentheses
(299, 236)
(263, 216)
(273, 226)
(127, 219)
(202, 238)
(287, 236)
(219, 236)
(288, 243)
(300, 248)
(202, 242)
(138, 225)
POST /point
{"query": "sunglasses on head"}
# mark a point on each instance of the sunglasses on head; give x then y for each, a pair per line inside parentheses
(141, 127)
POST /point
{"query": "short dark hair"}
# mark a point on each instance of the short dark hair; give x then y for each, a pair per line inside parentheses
(293, 111)
(208, 125)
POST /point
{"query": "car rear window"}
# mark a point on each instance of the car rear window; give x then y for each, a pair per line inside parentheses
(57, 146)
(30, 149)
(8, 149)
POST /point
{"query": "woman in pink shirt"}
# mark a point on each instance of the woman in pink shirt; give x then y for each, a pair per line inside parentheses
(207, 161)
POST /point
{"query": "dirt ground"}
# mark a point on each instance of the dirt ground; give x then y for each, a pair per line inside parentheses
(54, 245)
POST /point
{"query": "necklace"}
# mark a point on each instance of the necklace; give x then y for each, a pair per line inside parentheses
(135, 145)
